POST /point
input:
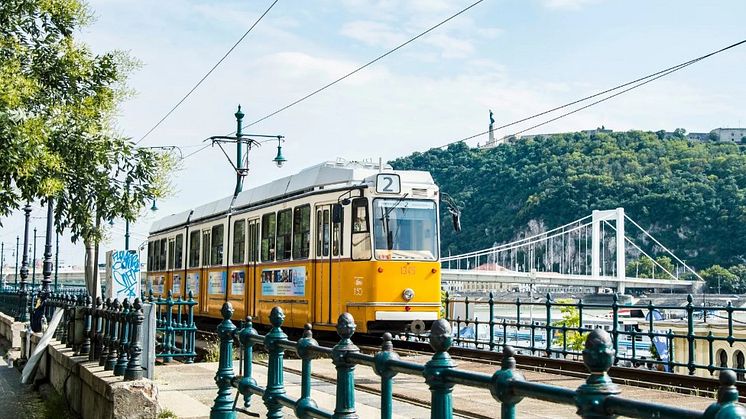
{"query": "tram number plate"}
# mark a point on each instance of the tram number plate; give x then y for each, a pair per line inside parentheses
(388, 183)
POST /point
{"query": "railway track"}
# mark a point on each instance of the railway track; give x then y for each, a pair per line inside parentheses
(679, 383)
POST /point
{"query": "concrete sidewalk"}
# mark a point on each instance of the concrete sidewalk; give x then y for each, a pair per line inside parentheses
(19, 401)
(189, 391)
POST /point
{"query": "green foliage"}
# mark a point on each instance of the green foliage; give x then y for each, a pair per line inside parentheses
(726, 281)
(690, 195)
(57, 102)
(570, 319)
(644, 267)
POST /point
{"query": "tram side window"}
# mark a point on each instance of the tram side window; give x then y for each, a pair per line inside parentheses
(194, 249)
(179, 249)
(253, 240)
(162, 255)
(171, 248)
(284, 234)
(268, 237)
(301, 232)
(217, 246)
(360, 230)
(239, 241)
(206, 248)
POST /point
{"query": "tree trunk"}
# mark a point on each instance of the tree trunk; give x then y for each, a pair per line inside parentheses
(91, 281)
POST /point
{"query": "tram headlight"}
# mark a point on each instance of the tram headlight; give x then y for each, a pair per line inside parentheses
(407, 294)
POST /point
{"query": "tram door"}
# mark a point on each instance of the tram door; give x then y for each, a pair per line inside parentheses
(323, 266)
(254, 275)
(204, 274)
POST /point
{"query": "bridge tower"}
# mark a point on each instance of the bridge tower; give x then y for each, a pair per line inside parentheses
(617, 216)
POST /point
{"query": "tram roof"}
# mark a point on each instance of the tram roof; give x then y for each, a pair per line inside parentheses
(330, 173)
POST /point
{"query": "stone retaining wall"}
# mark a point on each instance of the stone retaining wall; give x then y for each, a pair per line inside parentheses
(90, 391)
(11, 330)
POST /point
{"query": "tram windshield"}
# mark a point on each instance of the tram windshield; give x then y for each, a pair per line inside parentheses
(405, 229)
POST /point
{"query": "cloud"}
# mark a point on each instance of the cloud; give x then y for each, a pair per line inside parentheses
(567, 4)
(372, 33)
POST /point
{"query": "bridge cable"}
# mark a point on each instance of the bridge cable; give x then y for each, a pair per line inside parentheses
(208, 73)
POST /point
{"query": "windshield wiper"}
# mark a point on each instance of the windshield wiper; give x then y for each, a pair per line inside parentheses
(385, 222)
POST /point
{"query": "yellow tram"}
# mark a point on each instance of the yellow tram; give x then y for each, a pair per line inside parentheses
(336, 237)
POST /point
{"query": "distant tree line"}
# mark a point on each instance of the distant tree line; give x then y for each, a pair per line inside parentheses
(690, 195)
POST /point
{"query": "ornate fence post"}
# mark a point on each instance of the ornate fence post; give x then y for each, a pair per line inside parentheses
(168, 335)
(85, 346)
(192, 327)
(223, 407)
(727, 406)
(134, 369)
(111, 358)
(275, 379)
(436, 369)
(124, 319)
(104, 336)
(305, 402)
(598, 357)
(387, 375)
(345, 407)
(491, 322)
(248, 358)
(95, 352)
(501, 384)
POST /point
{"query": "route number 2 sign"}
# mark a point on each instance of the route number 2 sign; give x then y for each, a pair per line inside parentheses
(388, 183)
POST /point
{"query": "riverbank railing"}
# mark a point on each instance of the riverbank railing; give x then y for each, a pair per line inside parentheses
(598, 397)
(175, 327)
(20, 303)
(109, 332)
(557, 328)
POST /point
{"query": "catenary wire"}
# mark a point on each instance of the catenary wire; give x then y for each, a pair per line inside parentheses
(660, 73)
(207, 74)
(369, 63)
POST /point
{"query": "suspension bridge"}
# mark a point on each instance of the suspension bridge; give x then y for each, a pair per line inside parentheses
(594, 251)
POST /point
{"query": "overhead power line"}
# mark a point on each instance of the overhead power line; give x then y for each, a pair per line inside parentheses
(208, 73)
(369, 63)
(634, 84)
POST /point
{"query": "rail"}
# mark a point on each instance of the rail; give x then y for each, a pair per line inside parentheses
(175, 327)
(598, 397)
(556, 329)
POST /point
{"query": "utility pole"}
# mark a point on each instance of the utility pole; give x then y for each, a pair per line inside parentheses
(18, 244)
(2, 262)
(239, 154)
(33, 261)
(56, 259)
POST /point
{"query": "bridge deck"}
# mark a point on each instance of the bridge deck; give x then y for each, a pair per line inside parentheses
(189, 390)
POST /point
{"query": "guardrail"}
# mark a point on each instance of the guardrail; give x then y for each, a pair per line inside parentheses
(536, 328)
(108, 331)
(598, 397)
(175, 327)
(19, 303)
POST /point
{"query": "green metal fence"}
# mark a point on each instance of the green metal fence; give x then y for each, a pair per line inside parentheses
(536, 328)
(175, 327)
(598, 397)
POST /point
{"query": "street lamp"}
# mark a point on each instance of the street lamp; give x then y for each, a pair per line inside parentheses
(241, 165)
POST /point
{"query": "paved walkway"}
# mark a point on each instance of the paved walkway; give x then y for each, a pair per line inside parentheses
(18, 401)
(189, 390)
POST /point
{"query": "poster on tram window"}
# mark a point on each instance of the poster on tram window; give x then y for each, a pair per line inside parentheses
(176, 288)
(238, 279)
(158, 282)
(284, 281)
(216, 283)
(192, 284)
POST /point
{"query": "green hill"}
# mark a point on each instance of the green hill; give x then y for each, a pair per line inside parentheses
(689, 195)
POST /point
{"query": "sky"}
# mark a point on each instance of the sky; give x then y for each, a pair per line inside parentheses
(515, 57)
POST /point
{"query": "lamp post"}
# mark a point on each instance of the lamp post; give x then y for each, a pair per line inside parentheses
(2, 262)
(56, 258)
(46, 278)
(23, 309)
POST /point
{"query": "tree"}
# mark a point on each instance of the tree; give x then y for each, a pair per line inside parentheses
(720, 280)
(570, 320)
(57, 103)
